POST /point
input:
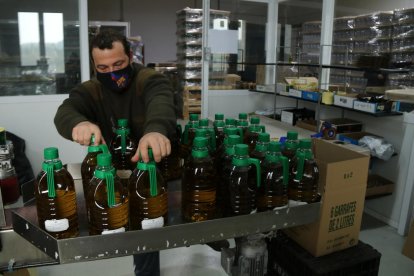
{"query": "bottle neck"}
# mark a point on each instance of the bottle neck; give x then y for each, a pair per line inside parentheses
(49, 166)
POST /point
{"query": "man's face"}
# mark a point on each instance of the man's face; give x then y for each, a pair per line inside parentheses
(108, 60)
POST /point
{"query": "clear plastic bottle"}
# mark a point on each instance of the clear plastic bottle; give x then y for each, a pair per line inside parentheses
(260, 149)
(219, 129)
(291, 145)
(242, 122)
(242, 184)
(199, 184)
(171, 165)
(107, 200)
(122, 149)
(89, 163)
(148, 199)
(56, 198)
(252, 133)
(188, 136)
(224, 167)
(273, 193)
(304, 175)
(220, 150)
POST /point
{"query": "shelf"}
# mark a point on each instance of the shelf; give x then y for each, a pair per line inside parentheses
(177, 234)
(379, 114)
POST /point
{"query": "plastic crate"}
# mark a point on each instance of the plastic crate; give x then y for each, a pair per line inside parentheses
(286, 257)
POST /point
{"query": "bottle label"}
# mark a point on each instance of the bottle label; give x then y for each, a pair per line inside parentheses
(152, 223)
(254, 211)
(123, 174)
(56, 225)
(118, 230)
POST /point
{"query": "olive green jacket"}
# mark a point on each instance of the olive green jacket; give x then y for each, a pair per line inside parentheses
(147, 104)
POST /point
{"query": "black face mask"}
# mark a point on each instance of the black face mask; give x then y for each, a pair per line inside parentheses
(116, 81)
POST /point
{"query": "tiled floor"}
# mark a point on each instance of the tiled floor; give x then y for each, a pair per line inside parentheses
(201, 260)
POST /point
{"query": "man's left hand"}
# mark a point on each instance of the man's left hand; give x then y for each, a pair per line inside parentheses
(160, 145)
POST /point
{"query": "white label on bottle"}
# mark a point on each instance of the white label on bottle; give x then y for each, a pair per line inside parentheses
(118, 230)
(4, 150)
(56, 225)
(123, 173)
(281, 207)
(254, 211)
(152, 223)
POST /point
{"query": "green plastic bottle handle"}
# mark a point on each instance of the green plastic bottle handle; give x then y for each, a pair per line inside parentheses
(300, 156)
(285, 166)
(152, 170)
(256, 162)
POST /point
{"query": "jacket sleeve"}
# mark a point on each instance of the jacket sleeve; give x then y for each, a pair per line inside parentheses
(160, 112)
(73, 110)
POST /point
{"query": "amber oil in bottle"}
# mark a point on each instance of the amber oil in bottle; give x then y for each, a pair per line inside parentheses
(108, 200)
(56, 198)
(148, 201)
(199, 184)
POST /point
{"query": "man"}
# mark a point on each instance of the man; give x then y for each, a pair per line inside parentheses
(122, 89)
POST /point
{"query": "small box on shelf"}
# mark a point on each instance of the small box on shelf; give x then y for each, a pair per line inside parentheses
(378, 186)
(311, 96)
(345, 100)
(381, 107)
(354, 137)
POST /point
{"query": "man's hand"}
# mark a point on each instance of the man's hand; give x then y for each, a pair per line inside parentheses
(83, 131)
(160, 145)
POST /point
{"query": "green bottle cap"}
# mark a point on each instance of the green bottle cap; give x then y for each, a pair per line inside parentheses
(193, 117)
(233, 140)
(263, 137)
(305, 143)
(50, 153)
(241, 149)
(292, 135)
(230, 122)
(242, 116)
(201, 132)
(200, 142)
(231, 131)
(273, 146)
(104, 159)
(254, 120)
(203, 123)
(123, 123)
(219, 116)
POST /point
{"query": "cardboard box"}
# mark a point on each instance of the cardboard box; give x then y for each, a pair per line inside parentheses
(389, 106)
(290, 116)
(343, 177)
(295, 93)
(378, 186)
(311, 96)
(309, 124)
(303, 83)
(343, 125)
(345, 101)
(408, 249)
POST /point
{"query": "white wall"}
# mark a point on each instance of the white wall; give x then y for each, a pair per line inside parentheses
(31, 118)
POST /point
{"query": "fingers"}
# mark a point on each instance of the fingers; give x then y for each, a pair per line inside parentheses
(159, 144)
(83, 131)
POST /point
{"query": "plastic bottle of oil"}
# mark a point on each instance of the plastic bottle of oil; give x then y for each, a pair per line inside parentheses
(219, 129)
(242, 122)
(275, 178)
(252, 133)
(220, 150)
(211, 135)
(291, 146)
(56, 198)
(199, 184)
(171, 165)
(107, 200)
(148, 201)
(188, 136)
(224, 168)
(260, 149)
(242, 184)
(304, 175)
(122, 149)
(89, 163)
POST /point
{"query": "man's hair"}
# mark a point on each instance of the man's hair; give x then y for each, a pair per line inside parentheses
(104, 39)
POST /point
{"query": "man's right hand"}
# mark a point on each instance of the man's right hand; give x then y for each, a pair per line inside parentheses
(83, 131)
